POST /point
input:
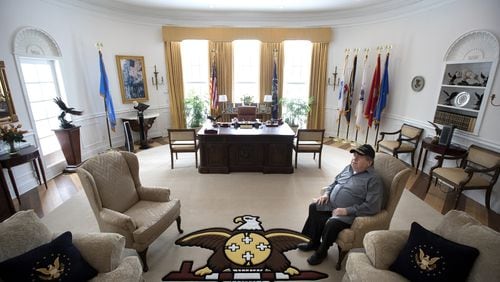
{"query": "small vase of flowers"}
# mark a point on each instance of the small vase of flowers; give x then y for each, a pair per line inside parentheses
(12, 134)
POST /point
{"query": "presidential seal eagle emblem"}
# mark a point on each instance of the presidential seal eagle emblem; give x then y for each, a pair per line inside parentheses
(247, 253)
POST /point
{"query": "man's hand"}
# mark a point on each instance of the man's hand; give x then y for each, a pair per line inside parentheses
(321, 200)
(339, 211)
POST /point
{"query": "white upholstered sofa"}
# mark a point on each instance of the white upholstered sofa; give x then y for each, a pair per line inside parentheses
(383, 247)
(24, 231)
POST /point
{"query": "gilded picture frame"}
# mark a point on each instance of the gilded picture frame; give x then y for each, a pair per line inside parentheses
(7, 110)
(132, 76)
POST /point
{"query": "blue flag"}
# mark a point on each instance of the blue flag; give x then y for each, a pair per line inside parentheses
(274, 92)
(104, 91)
(384, 91)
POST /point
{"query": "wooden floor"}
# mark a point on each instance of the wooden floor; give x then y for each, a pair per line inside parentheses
(439, 197)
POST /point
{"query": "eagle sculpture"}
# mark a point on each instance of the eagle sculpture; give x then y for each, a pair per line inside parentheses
(66, 110)
(247, 247)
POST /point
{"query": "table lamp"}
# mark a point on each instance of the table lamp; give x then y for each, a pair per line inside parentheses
(223, 100)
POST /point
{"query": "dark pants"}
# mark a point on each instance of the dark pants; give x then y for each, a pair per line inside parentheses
(321, 228)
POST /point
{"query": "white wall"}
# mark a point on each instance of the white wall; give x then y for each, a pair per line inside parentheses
(419, 43)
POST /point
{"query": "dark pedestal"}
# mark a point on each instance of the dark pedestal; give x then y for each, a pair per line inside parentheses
(69, 139)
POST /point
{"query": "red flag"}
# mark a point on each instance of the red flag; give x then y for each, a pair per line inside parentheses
(374, 93)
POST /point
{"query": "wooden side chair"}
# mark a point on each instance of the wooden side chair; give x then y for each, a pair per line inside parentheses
(479, 169)
(182, 141)
(309, 141)
(407, 141)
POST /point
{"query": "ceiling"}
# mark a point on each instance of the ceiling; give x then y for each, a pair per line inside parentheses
(253, 5)
(257, 12)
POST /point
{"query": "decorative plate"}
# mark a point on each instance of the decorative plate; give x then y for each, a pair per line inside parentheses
(461, 99)
(417, 83)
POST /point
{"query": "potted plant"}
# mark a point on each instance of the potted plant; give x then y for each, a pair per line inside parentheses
(247, 100)
(68, 136)
(196, 111)
(295, 111)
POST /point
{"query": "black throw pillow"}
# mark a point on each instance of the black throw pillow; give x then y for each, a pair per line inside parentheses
(58, 260)
(430, 257)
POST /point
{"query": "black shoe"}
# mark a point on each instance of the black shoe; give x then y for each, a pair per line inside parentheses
(305, 247)
(317, 258)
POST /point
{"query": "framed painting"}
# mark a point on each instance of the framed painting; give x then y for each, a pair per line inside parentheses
(132, 74)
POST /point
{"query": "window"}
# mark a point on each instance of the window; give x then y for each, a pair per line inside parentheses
(297, 69)
(246, 69)
(42, 78)
(296, 75)
(195, 73)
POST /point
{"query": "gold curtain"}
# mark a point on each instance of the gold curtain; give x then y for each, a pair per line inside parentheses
(175, 84)
(266, 68)
(223, 57)
(317, 87)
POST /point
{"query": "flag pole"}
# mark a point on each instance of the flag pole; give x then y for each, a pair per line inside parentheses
(341, 89)
(99, 48)
(351, 92)
(379, 106)
(107, 124)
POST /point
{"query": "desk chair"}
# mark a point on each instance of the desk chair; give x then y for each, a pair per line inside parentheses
(479, 169)
(247, 113)
(406, 142)
(182, 141)
(309, 141)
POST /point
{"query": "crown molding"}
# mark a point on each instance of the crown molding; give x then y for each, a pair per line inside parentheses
(383, 12)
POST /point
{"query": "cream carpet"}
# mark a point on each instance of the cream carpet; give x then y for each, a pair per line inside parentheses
(213, 200)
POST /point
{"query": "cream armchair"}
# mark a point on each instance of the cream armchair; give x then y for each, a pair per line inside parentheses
(24, 231)
(122, 205)
(383, 247)
(394, 174)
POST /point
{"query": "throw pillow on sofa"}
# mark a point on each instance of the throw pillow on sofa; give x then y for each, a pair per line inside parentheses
(430, 257)
(58, 260)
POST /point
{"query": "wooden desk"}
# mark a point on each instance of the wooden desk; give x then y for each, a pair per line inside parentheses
(27, 154)
(267, 149)
(442, 150)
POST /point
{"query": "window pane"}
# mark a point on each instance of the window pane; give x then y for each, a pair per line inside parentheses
(195, 72)
(41, 85)
(246, 69)
(296, 76)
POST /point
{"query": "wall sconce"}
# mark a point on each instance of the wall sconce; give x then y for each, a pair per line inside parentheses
(491, 101)
(334, 81)
(155, 81)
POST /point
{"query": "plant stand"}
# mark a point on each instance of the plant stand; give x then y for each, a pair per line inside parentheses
(69, 139)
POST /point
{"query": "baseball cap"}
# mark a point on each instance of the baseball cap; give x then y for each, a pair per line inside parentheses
(365, 150)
